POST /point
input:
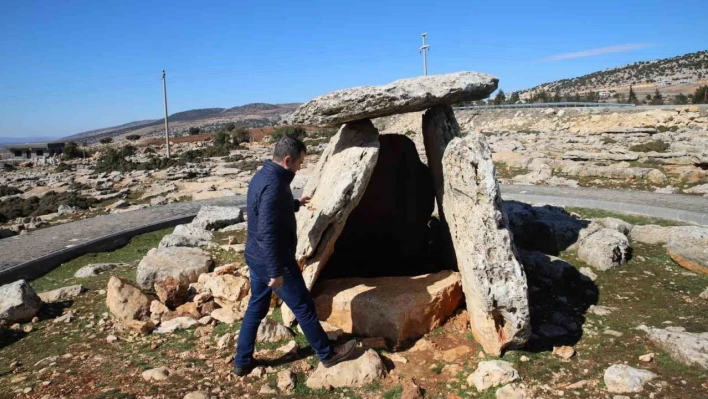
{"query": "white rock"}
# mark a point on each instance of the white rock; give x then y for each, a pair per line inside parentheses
(197, 395)
(688, 348)
(286, 381)
(512, 391)
(178, 323)
(271, 331)
(217, 217)
(62, 294)
(125, 301)
(184, 264)
(620, 378)
(493, 280)
(96, 268)
(604, 249)
(492, 373)
(225, 341)
(156, 374)
(18, 302)
(363, 369)
(650, 234)
(704, 294)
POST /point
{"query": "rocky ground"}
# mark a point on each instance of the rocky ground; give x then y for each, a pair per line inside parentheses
(662, 149)
(614, 315)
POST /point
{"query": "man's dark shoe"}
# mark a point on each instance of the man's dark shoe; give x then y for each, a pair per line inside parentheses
(341, 353)
(243, 370)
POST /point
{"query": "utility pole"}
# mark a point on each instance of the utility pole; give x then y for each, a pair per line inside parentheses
(424, 49)
(167, 126)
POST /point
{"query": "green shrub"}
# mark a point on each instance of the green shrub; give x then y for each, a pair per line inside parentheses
(63, 167)
(193, 131)
(71, 151)
(221, 138)
(656, 146)
(112, 160)
(7, 190)
(127, 151)
(106, 140)
(17, 207)
(241, 136)
(664, 128)
(230, 126)
(608, 140)
(292, 131)
(132, 137)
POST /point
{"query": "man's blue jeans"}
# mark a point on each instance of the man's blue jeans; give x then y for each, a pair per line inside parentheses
(295, 294)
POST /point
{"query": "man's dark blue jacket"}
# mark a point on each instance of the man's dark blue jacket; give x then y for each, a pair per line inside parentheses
(272, 236)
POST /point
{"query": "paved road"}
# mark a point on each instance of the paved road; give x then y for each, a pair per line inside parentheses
(43, 249)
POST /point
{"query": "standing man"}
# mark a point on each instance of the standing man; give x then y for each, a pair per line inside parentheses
(270, 256)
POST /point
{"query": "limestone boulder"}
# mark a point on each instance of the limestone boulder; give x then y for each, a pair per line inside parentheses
(401, 96)
(271, 331)
(97, 268)
(183, 264)
(228, 290)
(620, 378)
(62, 294)
(688, 348)
(493, 280)
(615, 224)
(688, 246)
(174, 240)
(18, 302)
(395, 308)
(336, 185)
(604, 249)
(178, 323)
(492, 373)
(217, 217)
(125, 301)
(650, 234)
(171, 292)
(364, 368)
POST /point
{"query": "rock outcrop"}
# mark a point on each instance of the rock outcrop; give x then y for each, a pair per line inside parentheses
(126, 301)
(401, 96)
(604, 249)
(493, 280)
(336, 186)
(688, 348)
(492, 373)
(217, 217)
(395, 308)
(18, 302)
(688, 246)
(62, 294)
(620, 378)
(183, 264)
(365, 367)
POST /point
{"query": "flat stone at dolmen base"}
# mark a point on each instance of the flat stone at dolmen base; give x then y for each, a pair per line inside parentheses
(401, 96)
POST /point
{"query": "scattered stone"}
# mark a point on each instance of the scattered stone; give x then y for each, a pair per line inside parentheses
(266, 390)
(271, 331)
(156, 374)
(494, 284)
(227, 289)
(646, 358)
(401, 96)
(411, 390)
(336, 186)
(650, 234)
(599, 310)
(217, 217)
(704, 294)
(364, 368)
(139, 326)
(620, 378)
(454, 354)
(512, 391)
(612, 333)
(171, 292)
(397, 309)
(111, 339)
(288, 349)
(615, 224)
(183, 264)
(225, 341)
(688, 348)
(125, 301)
(587, 272)
(286, 381)
(688, 246)
(18, 302)
(226, 315)
(197, 395)
(178, 323)
(604, 249)
(524, 358)
(492, 373)
(564, 352)
(377, 343)
(62, 294)
(67, 318)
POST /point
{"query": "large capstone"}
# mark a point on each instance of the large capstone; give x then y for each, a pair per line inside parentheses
(493, 280)
(391, 220)
(401, 96)
(183, 264)
(395, 308)
(336, 186)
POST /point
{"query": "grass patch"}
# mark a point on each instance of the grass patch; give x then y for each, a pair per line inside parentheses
(587, 213)
(393, 393)
(656, 146)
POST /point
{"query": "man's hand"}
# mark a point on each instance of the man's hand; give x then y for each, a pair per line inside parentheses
(305, 200)
(276, 283)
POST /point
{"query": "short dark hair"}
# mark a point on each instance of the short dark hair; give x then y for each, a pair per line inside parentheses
(288, 145)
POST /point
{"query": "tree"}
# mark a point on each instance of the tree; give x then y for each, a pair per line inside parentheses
(701, 95)
(193, 131)
(556, 97)
(133, 137)
(576, 97)
(71, 150)
(647, 99)
(222, 139)
(619, 97)
(292, 131)
(514, 98)
(106, 140)
(680, 99)
(500, 98)
(591, 97)
(658, 99)
(242, 135)
(632, 96)
(230, 126)
(127, 151)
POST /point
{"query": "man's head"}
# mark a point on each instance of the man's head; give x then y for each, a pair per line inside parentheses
(289, 153)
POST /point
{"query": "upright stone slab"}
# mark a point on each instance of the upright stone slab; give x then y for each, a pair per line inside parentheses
(401, 96)
(336, 186)
(493, 280)
(439, 128)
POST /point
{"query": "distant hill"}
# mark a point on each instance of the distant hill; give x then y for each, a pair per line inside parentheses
(686, 70)
(255, 115)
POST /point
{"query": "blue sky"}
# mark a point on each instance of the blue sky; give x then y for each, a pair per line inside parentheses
(70, 66)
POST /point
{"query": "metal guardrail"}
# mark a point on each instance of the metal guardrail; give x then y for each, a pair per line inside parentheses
(549, 105)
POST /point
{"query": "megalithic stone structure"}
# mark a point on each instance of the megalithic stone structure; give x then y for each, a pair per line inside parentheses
(493, 280)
